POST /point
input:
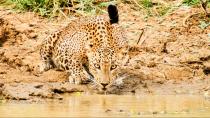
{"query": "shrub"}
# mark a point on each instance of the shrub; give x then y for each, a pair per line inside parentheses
(191, 2)
(53, 7)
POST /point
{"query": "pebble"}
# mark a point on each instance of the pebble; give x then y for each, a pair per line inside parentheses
(108, 110)
(121, 110)
(33, 35)
(154, 112)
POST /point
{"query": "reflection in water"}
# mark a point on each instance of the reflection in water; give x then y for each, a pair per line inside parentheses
(113, 105)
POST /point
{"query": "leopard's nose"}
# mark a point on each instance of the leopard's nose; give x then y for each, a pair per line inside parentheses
(104, 84)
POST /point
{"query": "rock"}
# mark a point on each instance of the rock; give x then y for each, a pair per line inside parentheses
(121, 110)
(66, 88)
(38, 86)
(108, 110)
(179, 73)
(16, 95)
(154, 112)
(23, 27)
(159, 80)
(32, 35)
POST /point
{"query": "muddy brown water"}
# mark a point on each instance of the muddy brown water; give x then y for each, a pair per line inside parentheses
(112, 105)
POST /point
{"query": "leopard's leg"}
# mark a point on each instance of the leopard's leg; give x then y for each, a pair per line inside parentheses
(46, 55)
(78, 78)
(77, 73)
(86, 68)
(46, 63)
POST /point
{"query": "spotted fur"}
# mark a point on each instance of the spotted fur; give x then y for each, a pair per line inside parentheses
(96, 43)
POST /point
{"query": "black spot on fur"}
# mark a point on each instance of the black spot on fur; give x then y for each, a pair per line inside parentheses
(67, 68)
(113, 14)
(54, 36)
(66, 61)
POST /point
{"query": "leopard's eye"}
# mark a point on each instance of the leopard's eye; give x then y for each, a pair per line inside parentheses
(113, 66)
(97, 66)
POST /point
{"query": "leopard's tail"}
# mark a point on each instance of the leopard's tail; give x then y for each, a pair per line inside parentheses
(113, 14)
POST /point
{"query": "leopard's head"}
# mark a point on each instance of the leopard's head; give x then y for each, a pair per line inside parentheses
(106, 48)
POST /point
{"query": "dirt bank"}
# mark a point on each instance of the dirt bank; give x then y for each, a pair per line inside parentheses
(172, 57)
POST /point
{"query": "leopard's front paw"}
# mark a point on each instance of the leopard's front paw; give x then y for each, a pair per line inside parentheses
(78, 80)
(74, 80)
(44, 67)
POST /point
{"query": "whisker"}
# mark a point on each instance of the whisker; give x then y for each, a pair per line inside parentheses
(118, 79)
(95, 82)
(93, 86)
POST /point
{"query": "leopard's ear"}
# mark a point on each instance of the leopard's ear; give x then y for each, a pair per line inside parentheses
(113, 14)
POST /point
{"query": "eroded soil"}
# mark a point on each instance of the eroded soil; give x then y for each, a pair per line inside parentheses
(172, 57)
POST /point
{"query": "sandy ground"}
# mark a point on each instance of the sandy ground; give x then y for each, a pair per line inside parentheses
(172, 57)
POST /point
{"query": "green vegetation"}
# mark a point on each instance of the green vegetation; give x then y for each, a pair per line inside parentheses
(44, 7)
(88, 6)
(146, 3)
(163, 10)
(160, 8)
(204, 25)
(191, 2)
(154, 8)
(51, 8)
(54, 7)
(195, 2)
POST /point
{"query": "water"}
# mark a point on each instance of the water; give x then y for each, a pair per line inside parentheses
(112, 105)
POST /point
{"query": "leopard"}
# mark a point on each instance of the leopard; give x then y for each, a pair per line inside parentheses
(88, 48)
